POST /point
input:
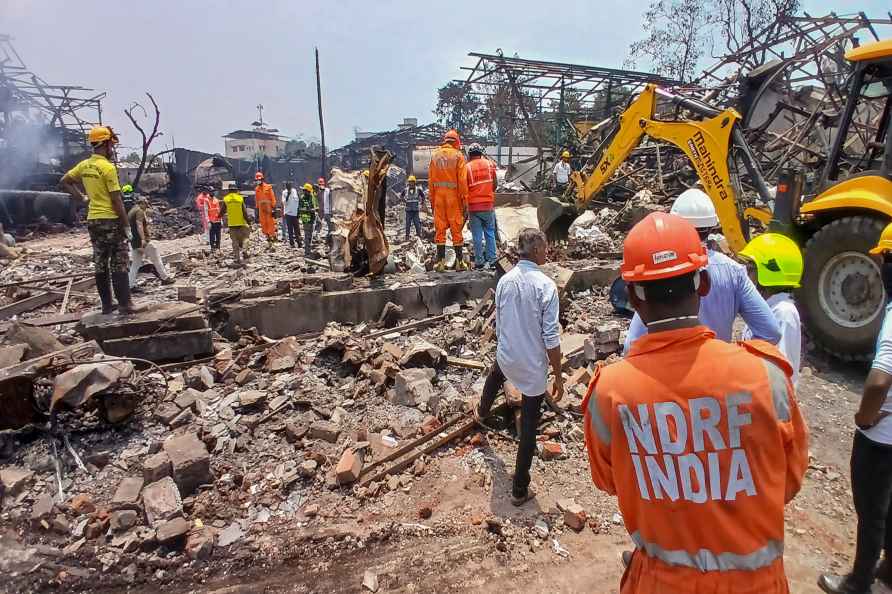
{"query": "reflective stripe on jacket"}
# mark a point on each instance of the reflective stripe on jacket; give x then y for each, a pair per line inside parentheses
(703, 443)
(446, 177)
(481, 174)
(213, 209)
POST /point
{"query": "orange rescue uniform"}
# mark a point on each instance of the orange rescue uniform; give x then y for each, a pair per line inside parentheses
(265, 199)
(448, 192)
(703, 443)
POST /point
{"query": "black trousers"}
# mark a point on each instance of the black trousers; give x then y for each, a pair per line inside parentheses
(291, 225)
(308, 237)
(413, 218)
(872, 493)
(214, 234)
(530, 412)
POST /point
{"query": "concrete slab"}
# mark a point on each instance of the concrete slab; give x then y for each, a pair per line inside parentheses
(165, 316)
(164, 346)
(303, 312)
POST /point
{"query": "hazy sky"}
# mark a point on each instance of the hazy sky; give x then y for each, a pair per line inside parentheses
(209, 64)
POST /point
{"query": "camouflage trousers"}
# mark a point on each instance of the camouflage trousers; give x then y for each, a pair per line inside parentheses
(111, 253)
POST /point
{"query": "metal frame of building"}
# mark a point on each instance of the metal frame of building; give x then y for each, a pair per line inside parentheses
(63, 104)
(400, 142)
(547, 81)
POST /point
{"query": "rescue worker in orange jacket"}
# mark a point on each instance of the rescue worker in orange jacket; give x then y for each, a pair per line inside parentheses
(265, 200)
(448, 187)
(481, 174)
(701, 440)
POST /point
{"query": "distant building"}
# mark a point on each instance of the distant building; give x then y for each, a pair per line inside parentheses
(250, 144)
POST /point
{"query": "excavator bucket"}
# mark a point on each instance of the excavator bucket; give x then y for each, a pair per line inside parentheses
(555, 218)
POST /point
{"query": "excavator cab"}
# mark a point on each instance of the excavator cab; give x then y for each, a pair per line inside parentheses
(842, 296)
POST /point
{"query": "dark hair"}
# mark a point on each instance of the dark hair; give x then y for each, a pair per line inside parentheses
(669, 291)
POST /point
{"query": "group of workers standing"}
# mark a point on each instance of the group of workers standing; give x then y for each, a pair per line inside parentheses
(300, 213)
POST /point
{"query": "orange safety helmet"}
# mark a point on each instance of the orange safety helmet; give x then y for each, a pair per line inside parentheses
(321, 181)
(258, 176)
(661, 246)
(453, 138)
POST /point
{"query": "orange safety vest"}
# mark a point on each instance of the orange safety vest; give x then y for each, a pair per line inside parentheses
(447, 181)
(481, 174)
(214, 210)
(703, 443)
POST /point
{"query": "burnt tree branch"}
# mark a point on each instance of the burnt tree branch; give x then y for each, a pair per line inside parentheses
(146, 139)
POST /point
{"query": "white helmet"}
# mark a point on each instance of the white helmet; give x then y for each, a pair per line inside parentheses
(695, 206)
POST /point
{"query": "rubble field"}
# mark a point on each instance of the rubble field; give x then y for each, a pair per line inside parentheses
(336, 460)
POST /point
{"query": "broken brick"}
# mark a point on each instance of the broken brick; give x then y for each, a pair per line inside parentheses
(349, 466)
(161, 501)
(167, 412)
(82, 504)
(552, 450)
(172, 531)
(127, 493)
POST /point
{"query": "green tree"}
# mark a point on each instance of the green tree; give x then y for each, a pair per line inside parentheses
(458, 108)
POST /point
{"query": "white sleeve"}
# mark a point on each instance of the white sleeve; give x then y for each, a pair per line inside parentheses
(790, 343)
(883, 358)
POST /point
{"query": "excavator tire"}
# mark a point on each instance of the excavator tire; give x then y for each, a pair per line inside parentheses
(842, 296)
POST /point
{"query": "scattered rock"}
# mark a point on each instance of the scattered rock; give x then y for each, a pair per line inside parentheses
(325, 431)
(122, 520)
(232, 533)
(390, 315)
(156, 467)
(82, 504)
(172, 530)
(349, 466)
(43, 507)
(190, 461)
(251, 397)
(295, 432)
(413, 386)
(370, 580)
(552, 450)
(161, 501)
(14, 479)
(244, 376)
(311, 511)
(127, 493)
(423, 354)
(425, 512)
(574, 515)
(307, 468)
(201, 378)
(200, 544)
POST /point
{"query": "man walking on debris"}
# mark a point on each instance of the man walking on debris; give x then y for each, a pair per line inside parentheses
(448, 187)
(731, 293)
(871, 462)
(201, 205)
(141, 246)
(238, 223)
(291, 200)
(215, 221)
(560, 174)
(307, 210)
(106, 218)
(265, 200)
(413, 196)
(701, 440)
(528, 342)
(481, 174)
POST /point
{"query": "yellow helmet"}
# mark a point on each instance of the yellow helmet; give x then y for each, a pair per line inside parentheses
(777, 258)
(365, 173)
(308, 187)
(885, 243)
(411, 178)
(565, 155)
(101, 134)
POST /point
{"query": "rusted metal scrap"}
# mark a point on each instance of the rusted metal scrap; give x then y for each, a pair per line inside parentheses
(366, 239)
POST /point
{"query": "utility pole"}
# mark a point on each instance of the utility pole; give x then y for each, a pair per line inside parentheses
(321, 123)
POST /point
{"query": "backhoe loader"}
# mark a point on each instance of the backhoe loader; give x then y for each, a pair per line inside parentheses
(842, 296)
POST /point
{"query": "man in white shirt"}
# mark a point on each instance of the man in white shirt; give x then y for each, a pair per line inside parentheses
(774, 264)
(871, 463)
(560, 174)
(528, 341)
(291, 200)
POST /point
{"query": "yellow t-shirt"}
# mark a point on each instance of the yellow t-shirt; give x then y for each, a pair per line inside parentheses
(100, 179)
(235, 216)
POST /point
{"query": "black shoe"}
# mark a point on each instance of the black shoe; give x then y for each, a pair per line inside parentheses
(517, 501)
(840, 584)
(121, 286)
(103, 287)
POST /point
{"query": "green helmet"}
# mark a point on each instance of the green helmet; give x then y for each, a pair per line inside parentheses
(777, 258)
(126, 189)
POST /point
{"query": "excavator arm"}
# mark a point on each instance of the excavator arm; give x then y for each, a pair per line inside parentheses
(705, 142)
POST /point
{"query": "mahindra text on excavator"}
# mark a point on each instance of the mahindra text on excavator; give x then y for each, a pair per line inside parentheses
(835, 222)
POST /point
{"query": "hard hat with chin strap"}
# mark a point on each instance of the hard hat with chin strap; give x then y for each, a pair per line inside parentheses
(695, 206)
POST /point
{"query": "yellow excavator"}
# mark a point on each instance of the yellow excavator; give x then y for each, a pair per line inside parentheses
(842, 295)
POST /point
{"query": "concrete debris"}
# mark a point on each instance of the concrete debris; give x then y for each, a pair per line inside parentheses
(172, 531)
(421, 353)
(127, 493)
(161, 501)
(190, 462)
(370, 580)
(14, 479)
(230, 535)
